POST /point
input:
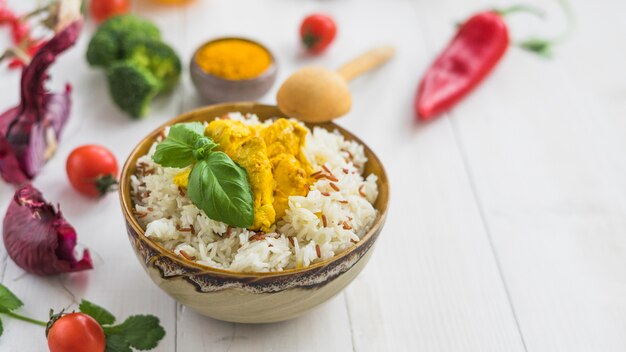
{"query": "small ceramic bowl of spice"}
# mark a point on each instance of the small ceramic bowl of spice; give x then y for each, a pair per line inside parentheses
(233, 69)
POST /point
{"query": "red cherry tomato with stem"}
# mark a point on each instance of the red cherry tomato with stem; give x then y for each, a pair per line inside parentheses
(76, 332)
(317, 32)
(92, 170)
(101, 10)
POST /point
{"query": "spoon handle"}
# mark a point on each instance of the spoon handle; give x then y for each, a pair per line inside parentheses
(366, 62)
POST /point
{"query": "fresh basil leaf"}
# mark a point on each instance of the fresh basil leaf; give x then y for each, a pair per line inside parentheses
(117, 343)
(178, 148)
(220, 188)
(101, 315)
(8, 301)
(203, 147)
(142, 332)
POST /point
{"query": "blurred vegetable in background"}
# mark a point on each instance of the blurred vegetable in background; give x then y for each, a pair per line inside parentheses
(139, 65)
(92, 170)
(29, 132)
(477, 47)
(101, 10)
(172, 2)
(38, 238)
(317, 32)
(53, 17)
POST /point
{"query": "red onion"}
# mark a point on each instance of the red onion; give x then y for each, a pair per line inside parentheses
(29, 132)
(38, 238)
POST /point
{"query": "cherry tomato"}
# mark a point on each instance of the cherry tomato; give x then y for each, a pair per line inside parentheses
(103, 9)
(92, 170)
(317, 31)
(76, 332)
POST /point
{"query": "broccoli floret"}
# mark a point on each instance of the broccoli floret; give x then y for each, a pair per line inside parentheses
(159, 58)
(132, 87)
(112, 38)
(139, 65)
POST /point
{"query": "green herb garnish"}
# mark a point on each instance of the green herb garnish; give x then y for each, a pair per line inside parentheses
(141, 332)
(217, 185)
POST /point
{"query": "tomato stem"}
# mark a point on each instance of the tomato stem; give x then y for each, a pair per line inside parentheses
(26, 319)
(106, 184)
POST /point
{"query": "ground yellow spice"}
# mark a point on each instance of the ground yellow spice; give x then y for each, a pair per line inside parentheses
(233, 59)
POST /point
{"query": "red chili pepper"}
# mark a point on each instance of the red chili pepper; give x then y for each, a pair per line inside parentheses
(474, 52)
(6, 15)
(19, 31)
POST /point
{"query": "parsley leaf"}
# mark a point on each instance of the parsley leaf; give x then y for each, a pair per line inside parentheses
(101, 315)
(142, 332)
(116, 343)
(8, 301)
(182, 144)
(221, 189)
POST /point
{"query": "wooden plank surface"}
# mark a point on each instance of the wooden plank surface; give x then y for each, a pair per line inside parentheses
(543, 142)
(507, 218)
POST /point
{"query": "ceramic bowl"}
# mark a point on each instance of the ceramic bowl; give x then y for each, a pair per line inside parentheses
(216, 89)
(248, 297)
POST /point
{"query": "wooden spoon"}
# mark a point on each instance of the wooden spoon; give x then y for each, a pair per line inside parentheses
(315, 94)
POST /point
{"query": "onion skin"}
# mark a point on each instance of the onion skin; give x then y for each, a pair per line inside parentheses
(30, 131)
(38, 238)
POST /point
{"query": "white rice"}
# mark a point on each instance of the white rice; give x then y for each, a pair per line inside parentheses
(171, 219)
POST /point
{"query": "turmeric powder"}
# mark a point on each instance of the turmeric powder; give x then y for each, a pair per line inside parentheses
(234, 59)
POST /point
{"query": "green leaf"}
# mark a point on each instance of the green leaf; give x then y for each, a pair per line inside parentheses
(220, 188)
(101, 315)
(116, 343)
(142, 332)
(1, 328)
(538, 46)
(8, 301)
(180, 147)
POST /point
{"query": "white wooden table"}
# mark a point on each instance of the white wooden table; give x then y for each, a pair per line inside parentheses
(507, 225)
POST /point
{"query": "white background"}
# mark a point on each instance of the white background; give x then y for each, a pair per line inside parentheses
(507, 225)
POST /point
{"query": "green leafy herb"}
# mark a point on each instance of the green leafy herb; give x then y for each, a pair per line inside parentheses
(220, 187)
(141, 332)
(180, 147)
(101, 315)
(117, 343)
(217, 185)
(8, 301)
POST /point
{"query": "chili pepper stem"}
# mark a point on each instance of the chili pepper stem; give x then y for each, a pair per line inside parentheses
(520, 8)
(542, 46)
(26, 319)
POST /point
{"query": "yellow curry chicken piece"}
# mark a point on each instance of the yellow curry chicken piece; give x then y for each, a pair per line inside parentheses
(272, 156)
(243, 144)
(285, 140)
(182, 178)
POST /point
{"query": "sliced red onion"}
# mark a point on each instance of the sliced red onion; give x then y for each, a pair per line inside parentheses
(29, 132)
(38, 238)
